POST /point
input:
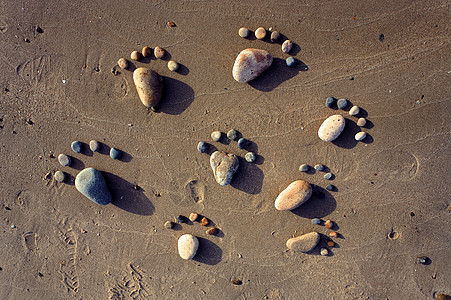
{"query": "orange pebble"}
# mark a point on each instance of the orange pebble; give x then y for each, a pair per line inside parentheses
(333, 234)
(329, 224)
(330, 243)
(212, 231)
(204, 221)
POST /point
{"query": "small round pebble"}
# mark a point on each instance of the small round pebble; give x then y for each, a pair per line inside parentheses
(342, 103)
(193, 217)
(361, 122)
(159, 52)
(64, 160)
(135, 55)
(330, 187)
(250, 157)
(304, 168)
(316, 221)
(146, 51)
(260, 33)
(216, 136)
(76, 146)
(202, 147)
(328, 176)
(422, 260)
(243, 32)
(275, 36)
(286, 46)
(360, 136)
(324, 252)
(330, 102)
(122, 63)
(329, 224)
(319, 167)
(168, 225)
(94, 145)
(290, 61)
(212, 231)
(232, 134)
(243, 143)
(181, 219)
(115, 153)
(60, 176)
(333, 234)
(354, 110)
(204, 221)
(330, 244)
(173, 65)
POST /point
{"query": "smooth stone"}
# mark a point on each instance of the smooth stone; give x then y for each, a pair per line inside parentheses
(173, 66)
(354, 110)
(304, 243)
(115, 153)
(330, 102)
(360, 136)
(333, 234)
(212, 231)
(243, 32)
(260, 33)
(168, 225)
(202, 147)
(243, 143)
(331, 128)
(204, 221)
(122, 63)
(59, 176)
(64, 160)
(94, 145)
(91, 183)
(216, 136)
(275, 36)
(324, 252)
(342, 103)
(329, 224)
(146, 51)
(422, 260)
(76, 146)
(319, 167)
(304, 168)
(330, 187)
(182, 219)
(250, 157)
(159, 52)
(232, 134)
(149, 86)
(188, 245)
(224, 166)
(296, 194)
(328, 176)
(250, 63)
(290, 61)
(135, 55)
(361, 122)
(316, 221)
(286, 46)
(331, 244)
(193, 217)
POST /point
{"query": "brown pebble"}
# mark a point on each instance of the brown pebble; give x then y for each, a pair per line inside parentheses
(122, 63)
(171, 24)
(330, 243)
(159, 52)
(333, 234)
(135, 55)
(204, 221)
(260, 33)
(193, 217)
(212, 231)
(275, 36)
(329, 224)
(146, 51)
(237, 282)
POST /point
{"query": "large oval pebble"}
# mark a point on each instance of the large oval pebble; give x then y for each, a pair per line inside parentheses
(188, 245)
(296, 194)
(331, 128)
(304, 243)
(224, 166)
(149, 86)
(91, 183)
(250, 63)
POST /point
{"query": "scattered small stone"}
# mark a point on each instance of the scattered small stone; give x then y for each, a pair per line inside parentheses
(329, 224)
(260, 33)
(232, 134)
(237, 282)
(76, 146)
(342, 103)
(331, 128)
(443, 297)
(290, 61)
(250, 63)
(187, 246)
(136, 187)
(275, 36)
(146, 51)
(304, 168)
(26, 40)
(354, 110)
(173, 65)
(216, 136)
(114, 70)
(94, 146)
(243, 32)
(171, 24)
(51, 155)
(115, 153)
(330, 244)
(422, 260)
(361, 122)
(59, 176)
(29, 121)
(149, 86)
(319, 167)
(330, 102)
(330, 187)
(39, 29)
(135, 55)
(286, 46)
(360, 136)
(202, 147)
(333, 234)
(250, 157)
(304, 243)
(193, 217)
(13, 226)
(328, 176)
(91, 183)
(182, 219)
(122, 63)
(64, 160)
(243, 143)
(316, 221)
(296, 194)
(168, 225)
(204, 221)
(224, 166)
(212, 231)
(324, 252)
(159, 52)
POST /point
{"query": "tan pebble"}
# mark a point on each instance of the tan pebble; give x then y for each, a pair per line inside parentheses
(122, 63)
(204, 221)
(296, 194)
(260, 33)
(286, 46)
(159, 52)
(171, 24)
(212, 231)
(173, 66)
(275, 36)
(324, 252)
(354, 110)
(243, 32)
(135, 55)
(333, 234)
(330, 244)
(304, 243)
(360, 136)
(361, 122)
(329, 224)
(193, 217)
(149, 86)
(146, 51)
(250, 63)
(331, 128)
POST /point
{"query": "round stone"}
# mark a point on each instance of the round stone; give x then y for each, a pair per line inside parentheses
(316, 221)
(286, 46)
(76, 146)
(329, 224)
(193, 217)
(330, 187)
(146, 51)
(159, 52)
(304, 168)
(122, 63)
(243, 32)
(328, 176)
(296, 194)
(173, 65)
(290, 61)
(319, 167)
(422, 260)
(115, 153)
(330, 243)
(64, 160)
(304, 243)
(243, 143)
(182, 219)
(168, 225)
(354, 110)
(216, 136)
(94, 145)
(260, 33)
(330, 102)
(232, 134)
(360, 136)
(204, 221)
(324, 252)
(91, 183)
(202, 147)
(135, 55)
(333, 234)
(361, 122)
(331, 128)
(275, 36)
(250, 157)
(342, 103)
(187, 246)
(59, 176)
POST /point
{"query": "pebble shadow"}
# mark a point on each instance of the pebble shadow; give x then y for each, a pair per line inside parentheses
(321, 244)
(346, 139)
(248, 178)
(76, 163)
(177, 96)
(320, 204)
(125, 157)
(209, 253)
(70, 180)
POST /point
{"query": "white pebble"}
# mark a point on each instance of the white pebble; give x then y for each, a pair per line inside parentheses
(360, 136)
(216, 136)
(187, 246)
(331, 128)
(173, 66)
(354, 110)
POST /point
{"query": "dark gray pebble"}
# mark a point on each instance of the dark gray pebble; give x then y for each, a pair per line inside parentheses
(243, 143)
(319, 167)
(330, 102)
(330, 187)
(202, 147)
(64, 160)
(232, 134)
(304, 168)
(182, 219)
(76, 146)
(115, 153)
(342, 103)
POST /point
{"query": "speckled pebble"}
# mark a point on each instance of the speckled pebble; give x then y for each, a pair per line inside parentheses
(329, 224)
(202, 147)
(77, 146)
(319, 167)
(204, 221)
(115, 153)
(243, 32)
(286, 46)
(135, 55)
(64, 160)
(250, 157)
(316, 221)
(168, 225)
(260, 33)
(60, 176)
(360, 136)
(304, 243)
(187, 246)
(94, 145)
(243, 143)
(216, 136)
(422, 260)
(122, 63)
(275, 36)
(212, 231)
(324, 252)
(304, 168)
(250, 63)
(330, 102)
(354, 110)
(224, 166)
(328, 176)
(173, 65)
(193, 217)
(330, 187)
(182, 219)
(331, 128)
(232, 134)
(146, 51)
(342, 103)
(159, 52)
(361, 122)
(290, 61)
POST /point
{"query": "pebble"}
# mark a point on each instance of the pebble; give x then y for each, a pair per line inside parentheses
(232, 134)
(64, 160)
(422, 260)
(275, 36)
(243, 143)
(182, 219)
(361, 122)
(173, 65)
(342, 103)
(333, 234)
(77, 146)
(250, 157)
(329, 224)
(159, 52)
(330, 187)
(146, 51)
(243, 32)
(330, 244)
(331, 128)
(212, 231)
(115, 153)
(216, 136)
(149, 86)
(193, 217)
(324, 252)
(354, 110)
(224, 166)
(204, 221)
(60, 176)
(135, 55)
(237, 282)
(296, 194)
(443, 297)
(171, 24)
(330, 102)
(328, 176)
(290, 61)
(319, 167)
(13, 226)
(304, 168)
(187, 246)
(250, 63)
(202, 147)
(91, 183)
(286, 46)
(360, 136)
(260, 33)
(168, 225)
(122, 63)
(304, 243)
(94, 146)
(316, 221)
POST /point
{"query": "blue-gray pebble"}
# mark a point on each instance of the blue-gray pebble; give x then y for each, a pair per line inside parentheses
(342, 103)
(243, 143)
(64, 160)
(330, 187)
(291, 61)
(250, 157)
(316, 221)
(328, 176)
(115, 153)
(91, 183)
(330, 102)
(304, 168)
(202, 147)
(232, 134)
(319, 167)
(76, 146)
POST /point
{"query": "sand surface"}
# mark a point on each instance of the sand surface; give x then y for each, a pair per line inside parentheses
(57, 244)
